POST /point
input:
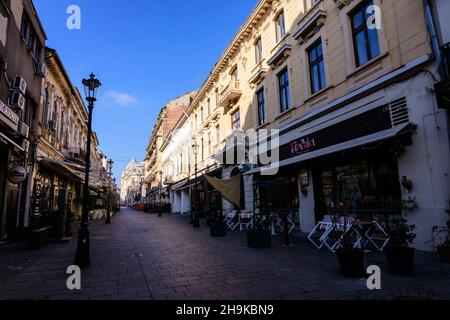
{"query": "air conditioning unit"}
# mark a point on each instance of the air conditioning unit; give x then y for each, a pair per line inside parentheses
(20, 85)
(24, 130)
(52, 125)
(41, 70)
(17, 100)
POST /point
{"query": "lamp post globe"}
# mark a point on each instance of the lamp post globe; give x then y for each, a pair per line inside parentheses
(82, 257)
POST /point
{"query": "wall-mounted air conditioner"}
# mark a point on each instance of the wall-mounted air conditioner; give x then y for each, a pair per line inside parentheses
(41, 69)
(17, 100)
(20, 85)
(24, 130)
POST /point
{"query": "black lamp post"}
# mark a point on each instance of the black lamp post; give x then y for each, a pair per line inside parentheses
(196, 218)
(82, 258)
(108, 211)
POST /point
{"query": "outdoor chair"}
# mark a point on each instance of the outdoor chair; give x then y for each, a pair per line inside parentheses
(232, 220)
(316, 236)
(334, 236)
(377, 236)
(245, 221)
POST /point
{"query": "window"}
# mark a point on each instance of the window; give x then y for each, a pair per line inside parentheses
(201, 115)
(38, 52)
(217, 134)
(309, 4)
(280, 26)
(316, 67)
(203, 148)
(236, 120)
(261, 107)
(365, 40)
(216, 93)
(285, 95)
(24, 26)
(234, 74)
(31, 39)
(209, 143)
(258, 51)
(208, 103)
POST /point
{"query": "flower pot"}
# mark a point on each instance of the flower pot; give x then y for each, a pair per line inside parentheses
(351, 262)
(259, 239)
(218, 229)
(400, 260)
(444, 254)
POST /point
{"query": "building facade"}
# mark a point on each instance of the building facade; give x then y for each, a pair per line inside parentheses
(159, 173)
(131, 183)
(22, 42)
(43, 130)
(343, 94)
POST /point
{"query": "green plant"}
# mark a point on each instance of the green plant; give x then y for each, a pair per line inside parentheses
(410, 203)
(261, 223)
(401, 233)
(442, 234)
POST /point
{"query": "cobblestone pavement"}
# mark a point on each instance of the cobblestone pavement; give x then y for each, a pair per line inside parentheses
(142, 256)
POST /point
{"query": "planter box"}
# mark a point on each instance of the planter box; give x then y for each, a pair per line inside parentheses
(39, 238)
(259, 239)
(400, 260)
(218, 229)
(351, 262)
(444, 254)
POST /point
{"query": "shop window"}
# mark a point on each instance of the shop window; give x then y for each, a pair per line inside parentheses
(364, 183)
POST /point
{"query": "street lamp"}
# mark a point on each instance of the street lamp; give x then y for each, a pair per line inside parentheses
(108, 212)
(196, 219)
(82, 258)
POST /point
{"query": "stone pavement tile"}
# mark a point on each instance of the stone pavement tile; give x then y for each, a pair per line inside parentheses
(139, 251)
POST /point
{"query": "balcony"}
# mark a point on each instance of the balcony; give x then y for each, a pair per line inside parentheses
(231, 92)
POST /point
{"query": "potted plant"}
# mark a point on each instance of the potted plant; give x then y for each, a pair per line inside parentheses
(399, 254)
(217, 225)
(443, 249)
(351, 259)
(259, 236)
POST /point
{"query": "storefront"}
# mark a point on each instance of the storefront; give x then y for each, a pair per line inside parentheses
(57, 197)
(342, 163)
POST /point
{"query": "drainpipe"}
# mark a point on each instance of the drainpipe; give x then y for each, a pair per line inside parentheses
(433, 35)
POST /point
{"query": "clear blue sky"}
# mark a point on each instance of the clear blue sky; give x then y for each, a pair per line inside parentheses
(145, 53)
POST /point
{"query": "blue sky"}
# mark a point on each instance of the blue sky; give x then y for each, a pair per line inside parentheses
(145, 53)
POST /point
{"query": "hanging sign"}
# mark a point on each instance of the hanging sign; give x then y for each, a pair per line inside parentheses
(17, 175)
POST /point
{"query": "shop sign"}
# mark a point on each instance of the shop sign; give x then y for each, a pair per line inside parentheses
(302, 145)
(8, 116)
(17, 175)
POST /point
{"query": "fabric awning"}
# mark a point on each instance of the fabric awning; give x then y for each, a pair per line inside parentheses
(230, 189)
(376, 137)
(60, 168)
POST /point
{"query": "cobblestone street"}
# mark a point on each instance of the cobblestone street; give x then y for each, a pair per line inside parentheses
(142, 256)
